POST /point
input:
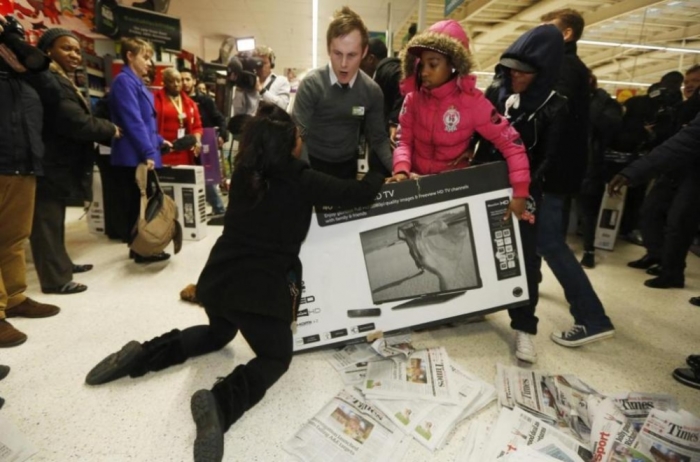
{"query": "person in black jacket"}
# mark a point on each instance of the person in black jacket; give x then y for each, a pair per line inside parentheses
(21, 152)
(605, 123)
(252, 280)
(524, 92)
(69, 134)
(572, 83)
(670, 213)
(681, 151)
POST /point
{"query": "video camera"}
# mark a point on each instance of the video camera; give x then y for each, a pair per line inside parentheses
(30, 57)
(242, 70)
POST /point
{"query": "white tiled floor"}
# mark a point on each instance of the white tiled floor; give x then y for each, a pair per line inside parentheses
(148, 419)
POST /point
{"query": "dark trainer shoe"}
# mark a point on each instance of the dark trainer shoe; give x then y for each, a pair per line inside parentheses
(655, 270)
(663, 282)
(689, 377)
(32, 309)
(577, 336)
(645, 262)
(4, 370)
(116, 365)
(209, 444)
(588, 259)
(693, 361)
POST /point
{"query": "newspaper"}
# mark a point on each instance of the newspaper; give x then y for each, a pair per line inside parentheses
(348, 429)
(528, 454)
(571, 398)
(431, 424)
(351, 361)
(611, 432)
(14, 447)
(475, 442)
(670, 435)
(425, 375)
(636, 406)
(527, 389)
(516, 428)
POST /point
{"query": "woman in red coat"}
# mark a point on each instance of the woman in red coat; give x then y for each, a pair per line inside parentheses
(177, 116)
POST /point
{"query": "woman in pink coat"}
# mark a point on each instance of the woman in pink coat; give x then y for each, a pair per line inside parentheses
(443, 110)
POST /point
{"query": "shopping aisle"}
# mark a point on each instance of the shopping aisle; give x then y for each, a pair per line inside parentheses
(148, 419)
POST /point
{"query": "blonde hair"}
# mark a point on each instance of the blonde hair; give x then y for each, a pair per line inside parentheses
(344, 22)
(135, 46)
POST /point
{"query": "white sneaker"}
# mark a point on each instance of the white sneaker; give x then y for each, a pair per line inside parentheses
(525, 347)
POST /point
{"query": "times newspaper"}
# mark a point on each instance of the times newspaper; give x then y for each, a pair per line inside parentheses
(430, 423)
(670, 435)
(348, 429)
(426, 375)
(636, 406)
(351, 361)
(526, 389)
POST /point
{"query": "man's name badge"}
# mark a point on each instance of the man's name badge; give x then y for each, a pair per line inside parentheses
(358, 111)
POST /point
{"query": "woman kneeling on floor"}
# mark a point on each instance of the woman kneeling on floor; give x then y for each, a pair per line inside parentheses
(252, 279)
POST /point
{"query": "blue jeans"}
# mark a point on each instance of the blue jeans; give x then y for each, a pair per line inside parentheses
(214, 199)
(585, 306)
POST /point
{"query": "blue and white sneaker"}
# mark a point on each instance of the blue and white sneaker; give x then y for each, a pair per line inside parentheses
(577, 336)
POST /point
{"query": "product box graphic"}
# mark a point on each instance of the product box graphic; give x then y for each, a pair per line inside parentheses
(96, 212)
(609, 220)
(185, 184)
(425, 252)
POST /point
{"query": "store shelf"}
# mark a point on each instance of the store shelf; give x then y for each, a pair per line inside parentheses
(98, 93)
(95, 72)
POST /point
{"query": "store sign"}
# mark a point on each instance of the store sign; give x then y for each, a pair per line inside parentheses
(451, 5)
(117, 21)
(159, 29)
(424, 252)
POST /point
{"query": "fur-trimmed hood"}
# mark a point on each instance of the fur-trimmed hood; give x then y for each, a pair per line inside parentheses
(446, 37)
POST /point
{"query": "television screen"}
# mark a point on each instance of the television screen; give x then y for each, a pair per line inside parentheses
(427, 255)
(245, 44)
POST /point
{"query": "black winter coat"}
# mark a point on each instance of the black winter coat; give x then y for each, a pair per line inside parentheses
(70, 132)
(252, 264)
(605, 124)
(21, 120)
(573, 140)
(681, 151)
(388, 76)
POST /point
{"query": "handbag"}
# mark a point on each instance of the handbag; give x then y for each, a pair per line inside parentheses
(157, 224)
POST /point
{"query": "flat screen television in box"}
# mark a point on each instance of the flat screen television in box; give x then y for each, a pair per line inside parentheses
(424, 258)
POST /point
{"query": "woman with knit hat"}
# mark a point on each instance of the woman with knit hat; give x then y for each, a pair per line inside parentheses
(69, 134)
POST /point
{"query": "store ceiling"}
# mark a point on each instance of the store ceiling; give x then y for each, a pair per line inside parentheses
(491, 24)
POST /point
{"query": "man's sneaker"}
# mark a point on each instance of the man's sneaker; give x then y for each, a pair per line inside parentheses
(578, 335)
(689, 377)
(588, 259)
(525, 347)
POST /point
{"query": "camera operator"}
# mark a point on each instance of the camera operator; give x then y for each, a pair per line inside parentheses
(256, 82)
(21, 152)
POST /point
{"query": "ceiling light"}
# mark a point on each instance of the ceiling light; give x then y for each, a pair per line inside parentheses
(639, 46)
(619, 82)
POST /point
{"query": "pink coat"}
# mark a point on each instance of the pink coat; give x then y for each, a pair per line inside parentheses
(436, 127)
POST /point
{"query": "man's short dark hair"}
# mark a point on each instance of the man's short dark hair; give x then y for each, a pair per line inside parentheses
(377, 47)
(693, 69)
(673, 79)
(569, 18)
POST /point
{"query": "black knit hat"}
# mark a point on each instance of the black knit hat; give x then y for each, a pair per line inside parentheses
(50, 36)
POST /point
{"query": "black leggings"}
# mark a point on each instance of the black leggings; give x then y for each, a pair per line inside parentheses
(270, 339)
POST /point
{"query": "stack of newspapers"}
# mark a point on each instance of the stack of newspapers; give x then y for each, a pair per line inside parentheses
(559, 417)
(393, 392)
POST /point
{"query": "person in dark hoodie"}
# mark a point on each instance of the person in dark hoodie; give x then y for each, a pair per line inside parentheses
(523, 91)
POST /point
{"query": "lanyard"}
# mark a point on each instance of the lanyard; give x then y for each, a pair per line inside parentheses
(177, 103)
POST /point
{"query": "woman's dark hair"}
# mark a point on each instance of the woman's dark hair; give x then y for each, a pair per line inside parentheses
(266, 145)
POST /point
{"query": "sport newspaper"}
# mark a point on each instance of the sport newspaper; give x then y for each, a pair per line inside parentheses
(426, 375)
(348, 428)
(431, 424)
